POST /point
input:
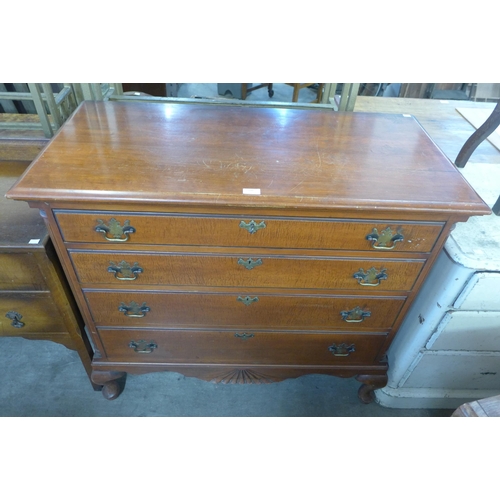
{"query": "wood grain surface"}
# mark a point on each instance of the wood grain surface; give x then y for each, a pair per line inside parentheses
(210, 154)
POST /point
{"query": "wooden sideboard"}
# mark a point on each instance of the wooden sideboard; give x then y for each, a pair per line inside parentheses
(36, 302)
(244, 245)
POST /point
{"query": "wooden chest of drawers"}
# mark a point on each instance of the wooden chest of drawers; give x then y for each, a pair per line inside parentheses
(244, 244)
(35, 300)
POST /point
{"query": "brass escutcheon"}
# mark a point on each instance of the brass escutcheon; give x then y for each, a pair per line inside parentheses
(356, 315)
(244, 336)
(113, 227)
(342, 349)
(250, 263)
(247, 300)
(252, 227)
(386, 240)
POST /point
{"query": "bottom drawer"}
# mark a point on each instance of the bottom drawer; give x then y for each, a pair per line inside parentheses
(28, 313)
(240, 347)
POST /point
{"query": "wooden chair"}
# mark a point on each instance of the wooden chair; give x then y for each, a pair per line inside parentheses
(477, 138)
(298, 86)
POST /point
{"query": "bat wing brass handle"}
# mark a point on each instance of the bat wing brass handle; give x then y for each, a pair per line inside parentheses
(342, 349)
(114, 229)
(372, 277)
(123, 271)
(134, 310)
(356, 315)
(143, 346)
(15, 318)
(386, 240)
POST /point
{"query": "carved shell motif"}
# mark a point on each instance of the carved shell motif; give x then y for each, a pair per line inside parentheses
(244, 377)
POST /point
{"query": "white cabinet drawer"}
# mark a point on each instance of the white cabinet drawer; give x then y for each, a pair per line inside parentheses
(482, 293)
(467, 331)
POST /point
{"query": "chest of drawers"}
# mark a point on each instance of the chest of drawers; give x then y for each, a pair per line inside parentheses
(244, 245)
(35, 300)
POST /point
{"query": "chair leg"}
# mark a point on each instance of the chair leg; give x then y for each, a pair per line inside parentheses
(478, 137)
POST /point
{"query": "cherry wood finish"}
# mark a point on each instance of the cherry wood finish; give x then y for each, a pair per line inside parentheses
(230, 270)
(226, 231)
(35, 300)
(175, 179)
(221, 310)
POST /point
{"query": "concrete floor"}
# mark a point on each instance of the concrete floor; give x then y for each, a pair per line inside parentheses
(44, 379)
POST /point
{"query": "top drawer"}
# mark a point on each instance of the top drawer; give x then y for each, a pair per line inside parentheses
(233, 231)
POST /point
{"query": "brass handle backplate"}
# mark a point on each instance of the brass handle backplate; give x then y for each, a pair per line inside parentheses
(123, 271)
(15, 318)
(252, 227)
(356, 315)
(247, 300)
(372, 277)
(244, 336)
(134, 310)
(143, 346)
(250, 263)
(342, 349)
(114, 229)
(386, 240)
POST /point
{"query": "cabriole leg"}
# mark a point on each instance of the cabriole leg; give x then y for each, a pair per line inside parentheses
(112, 383)
(369, 384)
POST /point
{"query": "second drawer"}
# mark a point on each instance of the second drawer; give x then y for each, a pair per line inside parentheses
(220, 310)
(257, 270)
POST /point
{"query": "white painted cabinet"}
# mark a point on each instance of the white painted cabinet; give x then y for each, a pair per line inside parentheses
(447, 351)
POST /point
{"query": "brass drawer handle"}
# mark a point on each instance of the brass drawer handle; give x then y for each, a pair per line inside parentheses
(113, 227)
(372, 277)
(247, 300)
(356, 315)
(252, 227)
(143, 346)
(386, 240)
(244, 336)
(342, 349)
(124, 271)
(250, 263)
(134, 310)
(16, 319)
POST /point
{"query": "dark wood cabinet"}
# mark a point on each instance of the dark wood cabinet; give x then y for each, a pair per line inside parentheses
(36, 302)
(244, 244)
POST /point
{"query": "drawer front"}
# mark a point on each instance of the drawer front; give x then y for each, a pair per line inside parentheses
(258, 270)
(19, 271)
(213, 310)
(248, 232)
(240, 347)
(28, 313)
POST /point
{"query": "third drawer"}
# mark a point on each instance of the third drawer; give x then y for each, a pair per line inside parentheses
(231, 310)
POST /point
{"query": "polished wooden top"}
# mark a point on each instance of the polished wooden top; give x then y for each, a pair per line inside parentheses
(178, 153)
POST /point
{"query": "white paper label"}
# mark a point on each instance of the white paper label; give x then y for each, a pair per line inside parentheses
(251, 191)
(444, 102)
(33, 242)
(407, 116)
